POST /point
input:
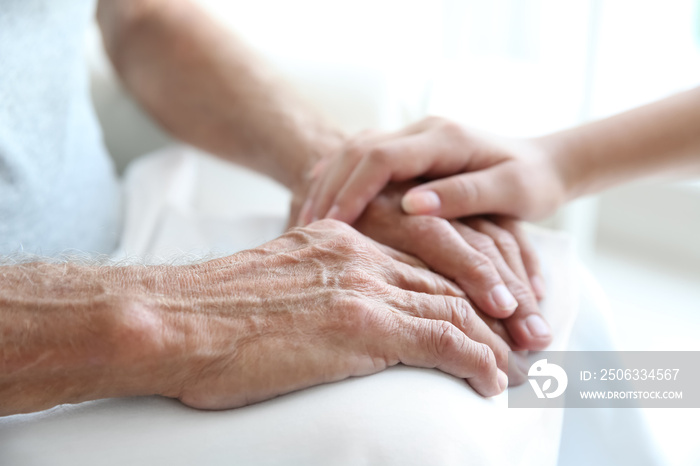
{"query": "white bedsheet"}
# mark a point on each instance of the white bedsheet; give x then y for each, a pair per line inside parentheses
(402, 416)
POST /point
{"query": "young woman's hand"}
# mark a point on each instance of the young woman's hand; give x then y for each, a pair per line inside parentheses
(472, 174)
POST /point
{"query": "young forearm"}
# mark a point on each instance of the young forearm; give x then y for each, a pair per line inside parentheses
(205, 87)
(662, 138)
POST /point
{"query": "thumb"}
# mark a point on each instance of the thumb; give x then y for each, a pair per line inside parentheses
(491, 191)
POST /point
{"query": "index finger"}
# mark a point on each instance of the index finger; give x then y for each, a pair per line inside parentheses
(400, 159)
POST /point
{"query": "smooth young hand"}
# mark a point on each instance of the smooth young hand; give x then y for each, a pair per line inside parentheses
(472, 174)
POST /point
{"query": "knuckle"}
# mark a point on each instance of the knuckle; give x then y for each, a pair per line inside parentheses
(419, 281)
(450, 127)
(351, 242)
(506, 243)
(451, 130)
(446, 340)
(481, 266)
(483, 242)
(437, 285)
(380, 155)
(464, 314)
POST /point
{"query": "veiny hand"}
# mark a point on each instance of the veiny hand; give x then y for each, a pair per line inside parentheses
(317, 305)
(485, 174)
(481, 255)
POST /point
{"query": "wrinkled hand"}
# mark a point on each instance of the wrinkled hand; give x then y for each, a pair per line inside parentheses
(483, 256)
(473, 174)
(317, 305)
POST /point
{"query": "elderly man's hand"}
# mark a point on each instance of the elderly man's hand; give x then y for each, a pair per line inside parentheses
(490, 259)
(319, 304)
(477, 253)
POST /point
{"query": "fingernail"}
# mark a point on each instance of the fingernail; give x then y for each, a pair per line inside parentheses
(502, 380)
(537, 326)
(304, 213)
(503, 299)
(538, 286)
(420, 202)
(333, 212)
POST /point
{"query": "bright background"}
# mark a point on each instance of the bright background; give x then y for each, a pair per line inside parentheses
(519, 68)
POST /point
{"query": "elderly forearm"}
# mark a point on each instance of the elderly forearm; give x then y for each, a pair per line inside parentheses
(659, 138)
(69, 335)
(235, 330)
(205, 87)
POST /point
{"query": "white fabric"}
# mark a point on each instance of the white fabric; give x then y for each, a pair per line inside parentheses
(58, 189)
(604, 437)
(403, 416)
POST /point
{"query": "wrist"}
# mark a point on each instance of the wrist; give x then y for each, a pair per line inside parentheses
(325, 145)
(149, 329)
(173, 320)
(560, 156)
(325, 149)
